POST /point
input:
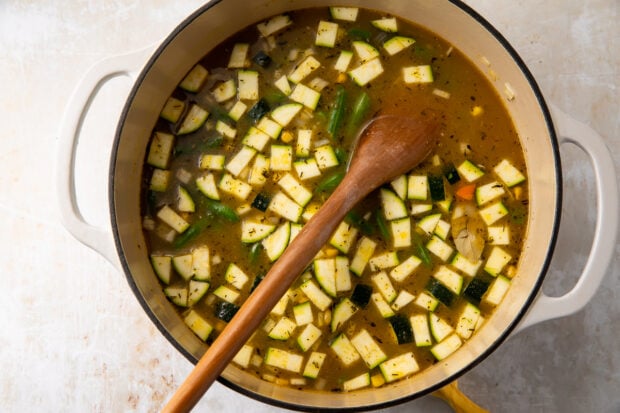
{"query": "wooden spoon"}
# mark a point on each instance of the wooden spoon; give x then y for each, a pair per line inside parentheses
(388, 146)
(459, 402)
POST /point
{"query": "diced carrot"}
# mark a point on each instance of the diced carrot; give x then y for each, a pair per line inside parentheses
(466, 192)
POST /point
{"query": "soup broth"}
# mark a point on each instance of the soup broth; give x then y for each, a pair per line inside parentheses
(255, 139)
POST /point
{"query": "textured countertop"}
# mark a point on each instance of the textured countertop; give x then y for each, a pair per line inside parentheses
(73, 337)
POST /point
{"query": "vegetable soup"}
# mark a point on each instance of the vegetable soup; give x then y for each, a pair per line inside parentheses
(256, 137)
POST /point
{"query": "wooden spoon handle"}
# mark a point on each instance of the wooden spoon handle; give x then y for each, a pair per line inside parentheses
(251, 314)
(459, 402)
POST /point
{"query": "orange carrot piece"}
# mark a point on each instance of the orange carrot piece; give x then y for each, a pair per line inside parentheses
(466, 192)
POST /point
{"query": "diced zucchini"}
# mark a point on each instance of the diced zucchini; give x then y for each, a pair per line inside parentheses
(488, 192)
(418, 74)
(294, 189)
(441, 292)
(497, 290)
(198, 325)
(402, 329)
(185, 203)
(212, 162)
(308, 337)
(256, 138)
(226, 294)
(469, 171)
(399, 367)
(440, 329)
(405, 268)
(440, 248)
(397, 44)
(305, 95)
(239, 56)
(274, 25)
(314, 293)
(343, 311)
(361, 295)
(244, 356)
(313, 365)
(225, 129)
(365, 250)
(421, 331)
(445, 205)
(237, 110)
(387, 24)
(235, 187)
(162, 265)
(172, 110)
(325, 273)
(344, 350)
(196, 290)
(201, 263)
(283, 85)
(476, 289)
(172, 219)
(367, 72)
(399, 185)
(178, 295)
(344, 237)
(343, 276)
(442, 230)
(325, 157)
(160, 150)
(303, 69)
(283, 359)
(280, 307)
(417, 187)
(326, 34)
(304, 142)
(259, 171)
(248, 85)
(358, 382)
(426, 302)
(195, 118)
(467, 321)
(193, 81)
(225, 91)
(493, 213)
(252, 231)
(206, 184)
(284, 114)
(497, 261)
(368, 349)
(417, 209)
(384, 285)
(436, 188)
(402, 300)
(401, 232)
(259, 110)
(159, 180)
(343, 61)
(270, 127)
(465, 265)
(261, 201)
(429, 223)
(365, 51)
(384, 261)
(498, 235)
(393, 206)
(283, 329)
(236, 276)
(303, 313)
(450, 279)
(184, 265)
(281, 158)
(306, 168)
(446, 347)
(276, 242)
(285, 207)
(510, 175)
(344, 13)
(382, 306)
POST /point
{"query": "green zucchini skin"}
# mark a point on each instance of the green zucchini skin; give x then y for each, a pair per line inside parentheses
(402, 328)
(361, 295)
(225, 311)
(440, 292)
(476, 289)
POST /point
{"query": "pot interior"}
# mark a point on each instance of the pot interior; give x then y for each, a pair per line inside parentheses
(454, 22)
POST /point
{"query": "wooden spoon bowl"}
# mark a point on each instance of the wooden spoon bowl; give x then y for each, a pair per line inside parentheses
(388, 146)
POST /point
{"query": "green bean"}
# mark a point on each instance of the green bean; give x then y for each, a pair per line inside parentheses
(192, 231)
(330, 182)
(337, 113)
(358, 114)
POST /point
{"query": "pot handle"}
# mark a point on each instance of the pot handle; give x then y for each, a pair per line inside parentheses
(605, 233)
(97, 238)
